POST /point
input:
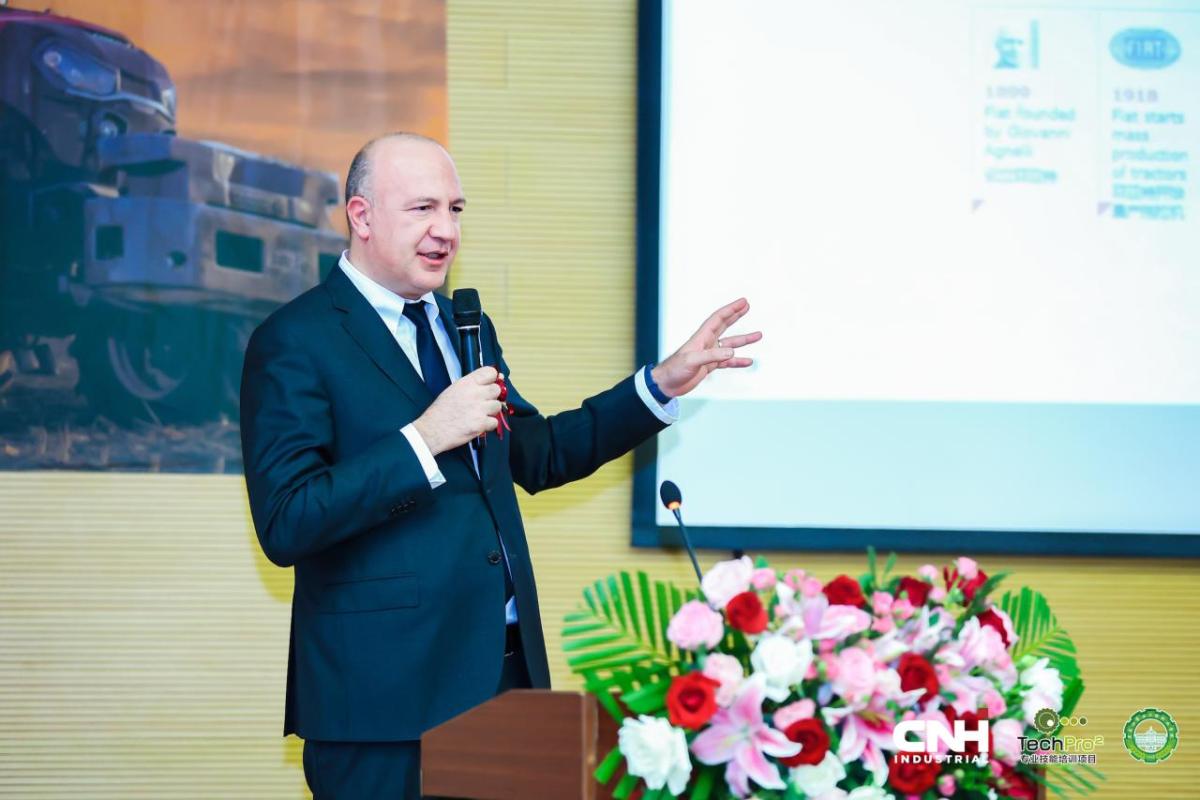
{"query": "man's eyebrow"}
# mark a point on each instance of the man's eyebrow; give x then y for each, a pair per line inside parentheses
(458, 201)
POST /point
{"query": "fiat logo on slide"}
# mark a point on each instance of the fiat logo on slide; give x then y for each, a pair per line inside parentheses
(1145, 48)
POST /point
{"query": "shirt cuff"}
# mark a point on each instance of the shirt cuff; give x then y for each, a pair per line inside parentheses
(668, 413)
(428, 463)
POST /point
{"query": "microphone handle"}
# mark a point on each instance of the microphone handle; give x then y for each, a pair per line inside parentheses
(471, 360)
(687, 542)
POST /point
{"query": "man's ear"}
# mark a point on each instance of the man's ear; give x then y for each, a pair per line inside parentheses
(358, 217)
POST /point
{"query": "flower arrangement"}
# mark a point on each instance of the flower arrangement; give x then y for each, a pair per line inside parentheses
(769, 684)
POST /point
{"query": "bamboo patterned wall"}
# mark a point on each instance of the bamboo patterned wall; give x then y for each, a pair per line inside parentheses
(143, 636)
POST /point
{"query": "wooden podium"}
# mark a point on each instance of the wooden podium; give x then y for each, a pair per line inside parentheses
(523, 745)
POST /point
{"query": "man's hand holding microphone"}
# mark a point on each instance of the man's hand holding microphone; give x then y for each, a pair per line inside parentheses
(466, 409)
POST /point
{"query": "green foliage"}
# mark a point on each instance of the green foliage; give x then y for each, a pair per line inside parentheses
(617, 642)
(1040, 634)
(1066, 780)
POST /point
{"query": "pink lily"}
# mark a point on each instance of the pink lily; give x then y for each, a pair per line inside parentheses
(863, 738)
(738, 738)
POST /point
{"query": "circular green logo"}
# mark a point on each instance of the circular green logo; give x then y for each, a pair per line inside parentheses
(1151, 735)
(1046, 720)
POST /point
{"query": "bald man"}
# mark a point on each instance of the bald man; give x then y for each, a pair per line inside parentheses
(414, 595)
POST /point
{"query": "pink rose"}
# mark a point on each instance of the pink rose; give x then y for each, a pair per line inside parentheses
(967, 568)
(883, 625)
(811, 587)
(1006, 740)
(794, 712)
(937, 594)
(794, 578)
(998, 619)
(839, 622)
(946, 785)
(727, 671)
(994, 702)
(881, 603)
(763, 578)
(928, 572)
(855, 674)
(696, 624)
(727, 579)
(981, 645)
(902, 608)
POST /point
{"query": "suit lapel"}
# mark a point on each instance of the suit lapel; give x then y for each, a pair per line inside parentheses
(363, 324)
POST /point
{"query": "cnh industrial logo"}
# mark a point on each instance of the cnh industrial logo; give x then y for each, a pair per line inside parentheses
(930, 740)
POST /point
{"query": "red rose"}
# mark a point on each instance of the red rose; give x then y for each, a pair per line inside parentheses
(969, 587)
(844, 591)
(971, 720)
(912, 773)
(692, 700)
(992, 620)
(917, 673)
(746, 613)
(811, 736)
(1013, 784)
(917, 589)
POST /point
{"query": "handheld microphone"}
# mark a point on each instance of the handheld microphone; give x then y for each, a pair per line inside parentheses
(672, 499)
(468, 313)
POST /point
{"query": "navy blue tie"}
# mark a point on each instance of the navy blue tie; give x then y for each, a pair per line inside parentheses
(429, 355)
(433, 369)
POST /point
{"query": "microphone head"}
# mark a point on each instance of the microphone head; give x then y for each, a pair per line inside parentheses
(467, 310)
(671, 497)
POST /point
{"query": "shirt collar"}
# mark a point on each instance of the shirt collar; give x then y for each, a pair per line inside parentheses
(388, 304)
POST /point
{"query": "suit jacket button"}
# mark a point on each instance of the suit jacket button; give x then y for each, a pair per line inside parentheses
(394, 511)
(408, 504)
(494, 557)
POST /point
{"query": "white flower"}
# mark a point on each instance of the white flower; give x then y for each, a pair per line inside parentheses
(868, 793)
(927, 630)
(817, 779)
(782, 662)
(1045, 690)
(861, 793)
(655, 751)
(726, 579)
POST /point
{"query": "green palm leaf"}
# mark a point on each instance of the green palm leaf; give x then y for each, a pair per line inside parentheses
(622, 625)
(1040, 634)
(616, 640)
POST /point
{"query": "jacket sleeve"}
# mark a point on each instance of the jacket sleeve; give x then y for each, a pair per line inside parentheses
(302, 501)
(547, 452)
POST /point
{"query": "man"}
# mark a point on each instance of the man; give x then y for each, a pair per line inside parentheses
(414, 596)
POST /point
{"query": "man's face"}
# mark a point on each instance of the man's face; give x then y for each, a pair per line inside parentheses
(413, 217)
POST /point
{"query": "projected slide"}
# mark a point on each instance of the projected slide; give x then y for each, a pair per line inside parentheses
(971, 235)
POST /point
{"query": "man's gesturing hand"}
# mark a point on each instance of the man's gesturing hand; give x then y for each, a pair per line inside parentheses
(708, 349)
(466, 409)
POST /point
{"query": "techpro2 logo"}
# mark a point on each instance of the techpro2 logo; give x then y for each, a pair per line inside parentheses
(925, 740)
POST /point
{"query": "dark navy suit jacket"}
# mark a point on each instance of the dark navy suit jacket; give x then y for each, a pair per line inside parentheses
(398, 608)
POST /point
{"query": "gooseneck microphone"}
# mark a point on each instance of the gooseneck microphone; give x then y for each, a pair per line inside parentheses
(672, 498)
(468, 313)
